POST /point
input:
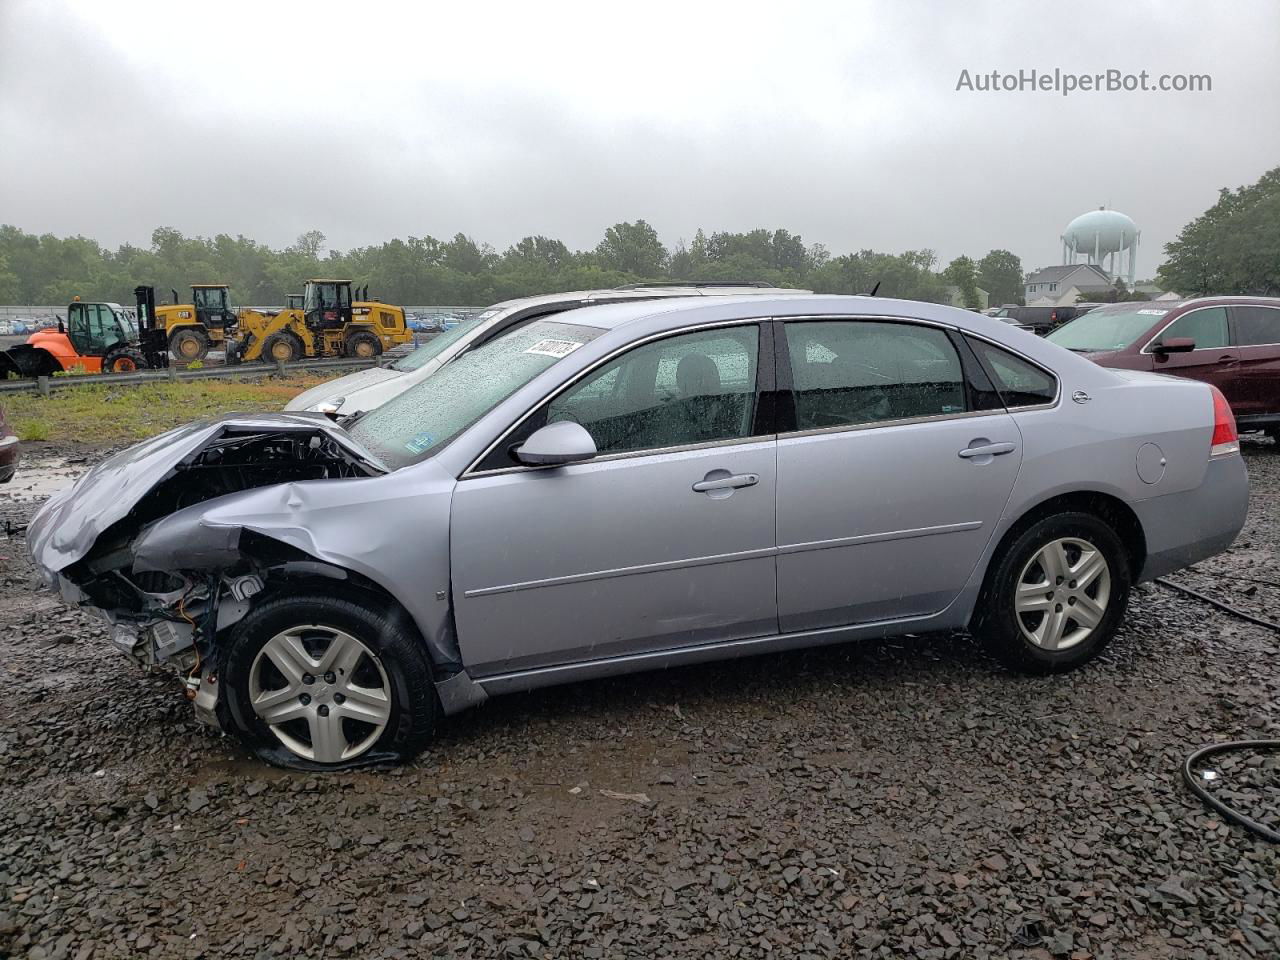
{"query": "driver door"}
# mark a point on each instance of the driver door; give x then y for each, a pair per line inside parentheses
(664, 540)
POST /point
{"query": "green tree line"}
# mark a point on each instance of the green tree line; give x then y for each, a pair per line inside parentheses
(44, 269)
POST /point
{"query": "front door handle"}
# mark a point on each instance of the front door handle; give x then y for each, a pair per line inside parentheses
(982, 448)
(726, 482)
(1228, 358)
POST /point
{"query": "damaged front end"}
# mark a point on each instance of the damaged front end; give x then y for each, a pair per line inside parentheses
(129, 541)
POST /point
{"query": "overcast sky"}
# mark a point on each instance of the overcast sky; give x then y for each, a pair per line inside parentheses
(838, 121)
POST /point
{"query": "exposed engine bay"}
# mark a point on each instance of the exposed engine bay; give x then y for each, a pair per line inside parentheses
(164, 614)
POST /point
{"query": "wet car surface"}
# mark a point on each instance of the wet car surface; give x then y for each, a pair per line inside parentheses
(646, 486)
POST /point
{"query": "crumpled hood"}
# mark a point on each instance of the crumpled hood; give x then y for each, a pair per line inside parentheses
(342, 386)
(69, 523)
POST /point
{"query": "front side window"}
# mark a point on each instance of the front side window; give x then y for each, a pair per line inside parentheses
(419, 422)
(1256, 325)
(1207, 327)
(850, 372)
(694, 388)
(1020, 382)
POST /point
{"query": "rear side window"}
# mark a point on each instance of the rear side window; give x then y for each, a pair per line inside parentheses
(1020, 382)
(851, 372)
(1256, 325)
(1207, 327)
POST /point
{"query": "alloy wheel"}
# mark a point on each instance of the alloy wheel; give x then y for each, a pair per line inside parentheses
(1062, 593)
(323, 693)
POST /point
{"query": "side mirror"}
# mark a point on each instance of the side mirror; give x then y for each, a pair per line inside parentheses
(556, 444)
(1174, 345)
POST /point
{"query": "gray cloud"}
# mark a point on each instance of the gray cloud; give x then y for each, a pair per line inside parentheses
(837, 121)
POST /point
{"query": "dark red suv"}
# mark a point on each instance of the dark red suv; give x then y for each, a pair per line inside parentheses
(1230, 342)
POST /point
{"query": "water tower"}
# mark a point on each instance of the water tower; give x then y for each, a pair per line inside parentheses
(1101, 234)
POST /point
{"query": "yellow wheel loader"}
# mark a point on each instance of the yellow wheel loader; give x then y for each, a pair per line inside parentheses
(192, 328)
(329, 323)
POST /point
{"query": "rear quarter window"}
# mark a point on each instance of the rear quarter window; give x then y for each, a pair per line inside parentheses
(1020, 382)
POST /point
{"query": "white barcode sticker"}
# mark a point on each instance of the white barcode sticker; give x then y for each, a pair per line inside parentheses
(554, 348)
(1152, 313)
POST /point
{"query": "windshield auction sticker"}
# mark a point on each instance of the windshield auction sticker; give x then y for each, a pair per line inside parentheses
(554, 348)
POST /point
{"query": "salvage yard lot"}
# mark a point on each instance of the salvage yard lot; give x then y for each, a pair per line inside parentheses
(105, 413)
(905, 798)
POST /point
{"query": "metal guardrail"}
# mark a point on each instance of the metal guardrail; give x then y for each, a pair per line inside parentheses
(45, 385)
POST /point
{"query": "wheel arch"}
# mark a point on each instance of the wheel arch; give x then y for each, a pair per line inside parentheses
(1107, 507)
(291, 570)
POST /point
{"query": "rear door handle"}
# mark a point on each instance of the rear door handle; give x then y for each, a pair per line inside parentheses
(1228, 358)
(727, 483)
(987, 450)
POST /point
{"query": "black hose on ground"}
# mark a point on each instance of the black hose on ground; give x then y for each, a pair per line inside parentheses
(1225, 607)
(1253, 826)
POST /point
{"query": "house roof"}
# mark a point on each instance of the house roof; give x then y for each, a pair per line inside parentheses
(1055, 274)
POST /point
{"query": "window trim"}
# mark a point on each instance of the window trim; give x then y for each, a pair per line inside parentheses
(1231, 333)
(786, 385)
(1057, 380)
(1231, 325)
(763, 343)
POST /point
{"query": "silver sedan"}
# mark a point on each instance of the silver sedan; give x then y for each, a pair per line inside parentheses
(637, 486)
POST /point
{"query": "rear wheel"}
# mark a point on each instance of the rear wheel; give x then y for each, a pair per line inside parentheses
(1056, 594)
(325, 682)
(363, 345)
(123, 359)
(281, 348)
(189, 345)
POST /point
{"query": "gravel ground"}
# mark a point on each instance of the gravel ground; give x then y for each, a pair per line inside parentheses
(894, 799)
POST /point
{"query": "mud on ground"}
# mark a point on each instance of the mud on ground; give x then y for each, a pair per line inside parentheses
(898, 799)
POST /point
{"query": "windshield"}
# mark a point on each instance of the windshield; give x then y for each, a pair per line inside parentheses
(1101, 331)
(428, 352)
(418, 422)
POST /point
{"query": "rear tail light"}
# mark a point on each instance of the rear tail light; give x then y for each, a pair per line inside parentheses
(1225, 438)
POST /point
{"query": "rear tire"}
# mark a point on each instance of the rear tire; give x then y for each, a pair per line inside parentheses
(361, 693)
(189, 345)
(123, 359)
(1055, 596)
(363, 345)
(281, 347)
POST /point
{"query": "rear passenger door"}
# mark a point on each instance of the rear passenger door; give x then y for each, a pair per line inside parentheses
(1257, 375)
(893, 469)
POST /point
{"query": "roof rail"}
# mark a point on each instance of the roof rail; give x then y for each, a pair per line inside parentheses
(693, 283)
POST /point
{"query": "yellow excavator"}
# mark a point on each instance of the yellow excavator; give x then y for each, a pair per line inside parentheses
(328, 323)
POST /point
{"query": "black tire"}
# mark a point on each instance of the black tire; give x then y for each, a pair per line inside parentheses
(363, 340)
(189, 344)
(1005, 631)
(123, 359)
(385, 632)
(281, 346)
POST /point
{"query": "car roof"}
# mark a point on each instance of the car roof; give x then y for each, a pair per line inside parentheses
(640, 293)
(689, 311)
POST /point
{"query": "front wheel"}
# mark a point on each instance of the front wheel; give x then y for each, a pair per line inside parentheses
(324, 682)
(123, 359)
(1056, 594)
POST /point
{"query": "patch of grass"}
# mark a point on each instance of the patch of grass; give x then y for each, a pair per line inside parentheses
(106, 413)
(32, 428)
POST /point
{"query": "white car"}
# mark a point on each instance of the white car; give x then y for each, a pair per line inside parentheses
(367, 389)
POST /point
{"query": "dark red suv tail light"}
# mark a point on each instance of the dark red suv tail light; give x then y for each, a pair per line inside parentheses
(1225, 438)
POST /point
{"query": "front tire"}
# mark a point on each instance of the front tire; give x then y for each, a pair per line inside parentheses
(282, 347)
(1056, 595)
(123, 359)
(189, 344)
(323, 682)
